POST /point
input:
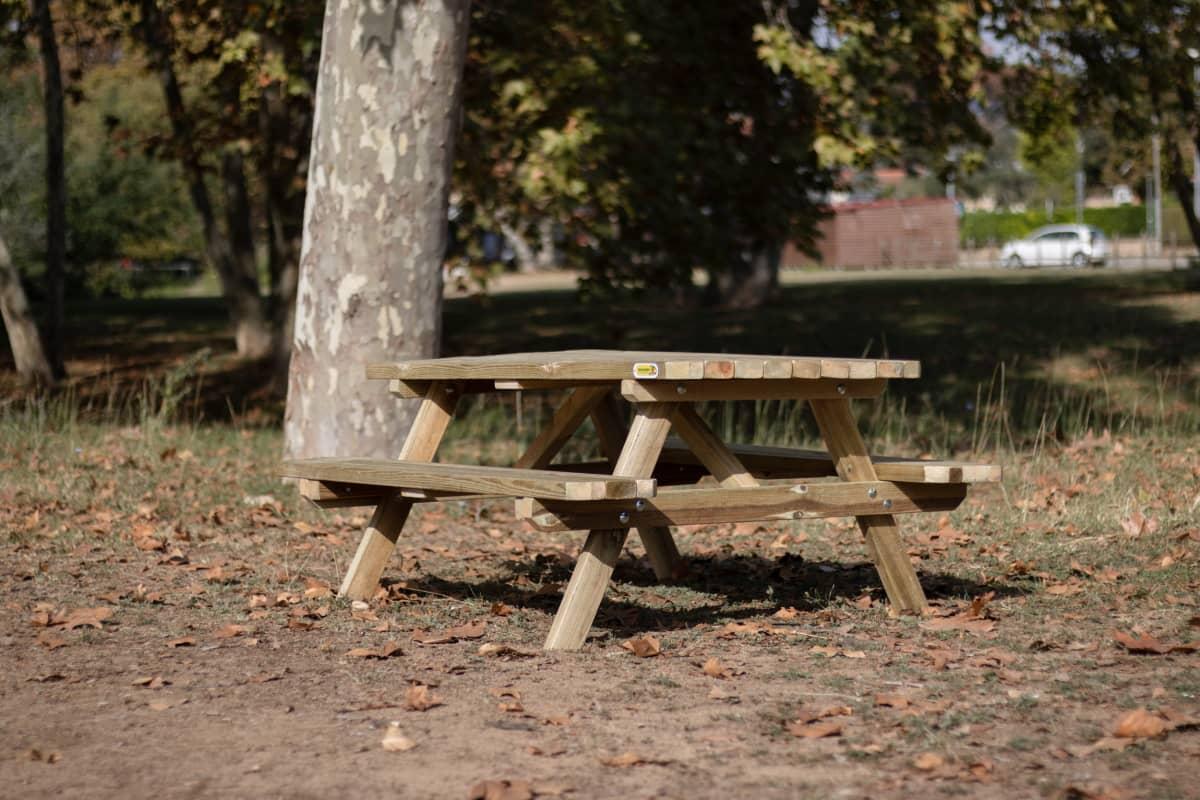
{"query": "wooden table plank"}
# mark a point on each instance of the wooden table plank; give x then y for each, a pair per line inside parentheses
(649, 365)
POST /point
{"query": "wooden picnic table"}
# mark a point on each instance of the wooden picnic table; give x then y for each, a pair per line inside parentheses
(649, 481)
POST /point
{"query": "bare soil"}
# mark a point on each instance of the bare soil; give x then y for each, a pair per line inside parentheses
(169, 629)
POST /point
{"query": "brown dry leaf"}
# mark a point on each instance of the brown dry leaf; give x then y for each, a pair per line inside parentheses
(927, 762)
(789, 612)
(52, 757)
(713, 669)
(386, 650)
(396, 742)
(471, 630)
(230, 631)
(418, 698)
(815, 730)
(87, 616)
(499, 609)
(148, 682)
(51, 640)
(1140, 724)
(502, 651)
(891, 700)
(1143, 643)
(183, 641)
(1106, 743)
(732, 629)
(643, 646)
(630, 759)
(1138, 523)
(315, 589)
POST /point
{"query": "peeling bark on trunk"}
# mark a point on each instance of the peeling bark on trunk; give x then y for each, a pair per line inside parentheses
(749, 284)
(239, 286)
(23, 335)
(56, 185)
(387, 110)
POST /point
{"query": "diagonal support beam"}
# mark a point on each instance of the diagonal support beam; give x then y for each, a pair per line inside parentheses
(716, 457)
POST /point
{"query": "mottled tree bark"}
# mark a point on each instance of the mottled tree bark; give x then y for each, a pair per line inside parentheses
(56, 184)
(387, 111)
(23, 335)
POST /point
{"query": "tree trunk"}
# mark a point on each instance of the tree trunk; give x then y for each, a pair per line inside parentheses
(750, 283)
(526, 259)
(56, 184)
(387, 110)
(238, 287)
(23, 336)
(1178, 176)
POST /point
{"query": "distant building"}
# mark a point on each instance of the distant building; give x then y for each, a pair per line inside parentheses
(918, 232)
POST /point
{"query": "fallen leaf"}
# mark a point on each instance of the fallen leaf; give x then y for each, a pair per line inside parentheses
(502, 651)
(151, 682)
(471, 630)
(815, 730)
(643, 646)
(891, 700)
(184, 641)
(87, 616)
(1140, 724)
(396, 742)
(787, 612)
(386, 650)
(928, 762)
(51, 757)
(230, 631)
(51, 640)
(418, 698)
(1148, 644)
(712, 668)
(499, 609)
(630, 759)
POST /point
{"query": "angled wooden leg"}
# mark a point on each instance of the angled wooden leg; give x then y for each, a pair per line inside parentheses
(709, 450)
(595, 565)
(379, 539)
(657, 539)
(850, 457)
(565, 422)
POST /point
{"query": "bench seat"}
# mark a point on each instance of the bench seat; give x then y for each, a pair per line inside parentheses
(363, 480)
(784, 462)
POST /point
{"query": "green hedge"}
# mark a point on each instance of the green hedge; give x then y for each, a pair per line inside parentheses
(981, 227)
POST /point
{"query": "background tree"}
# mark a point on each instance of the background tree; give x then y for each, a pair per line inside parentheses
(375, 220)
(1129, 65)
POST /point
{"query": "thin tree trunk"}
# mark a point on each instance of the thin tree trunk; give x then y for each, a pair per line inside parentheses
(387, 110)
(56, 184)
(240, 291)
(1178, 177)
(748, 284)
(526, 259)
(23, 335)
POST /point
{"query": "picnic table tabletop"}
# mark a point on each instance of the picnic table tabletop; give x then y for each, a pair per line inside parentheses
(614, 365)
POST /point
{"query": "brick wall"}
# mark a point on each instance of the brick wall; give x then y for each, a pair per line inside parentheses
(920, 231)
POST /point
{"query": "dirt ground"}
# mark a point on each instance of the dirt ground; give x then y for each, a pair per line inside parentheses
(168, 629)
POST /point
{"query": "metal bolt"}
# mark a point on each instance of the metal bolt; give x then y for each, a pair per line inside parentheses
(872, 492)
(802, 489)
(639, 505)
(887, 504)
(623, 516)
(680, 389)
(841, 388)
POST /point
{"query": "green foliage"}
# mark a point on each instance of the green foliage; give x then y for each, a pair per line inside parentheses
(1002, 226)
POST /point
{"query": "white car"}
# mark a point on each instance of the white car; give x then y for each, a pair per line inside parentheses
(1057, 245)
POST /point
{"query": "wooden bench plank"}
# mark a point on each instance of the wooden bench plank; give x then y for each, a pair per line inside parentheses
(454, 478)
(776, 500)
(787, 462)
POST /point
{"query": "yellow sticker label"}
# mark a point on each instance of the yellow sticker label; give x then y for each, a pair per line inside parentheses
(643, 370)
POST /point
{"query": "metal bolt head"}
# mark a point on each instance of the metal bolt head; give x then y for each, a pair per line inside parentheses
(802, 488)
(841, 388)
(680, 389)
(887, 504)
(639, 505)
(623, 516)
(872, 492)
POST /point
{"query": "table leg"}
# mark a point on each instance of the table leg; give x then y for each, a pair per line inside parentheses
(379, 539)
(660, 545)
(850, 457)
(594, 568)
